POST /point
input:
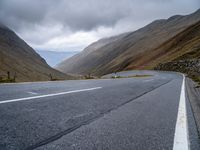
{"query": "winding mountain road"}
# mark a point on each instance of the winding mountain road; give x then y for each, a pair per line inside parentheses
(140, 113)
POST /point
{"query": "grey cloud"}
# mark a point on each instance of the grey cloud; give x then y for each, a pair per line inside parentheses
(77, 15)
(80, 14)
(91, 14)
(21, 13)
(37, 20)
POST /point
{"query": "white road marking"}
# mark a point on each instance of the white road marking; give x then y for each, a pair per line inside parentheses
(148, 80)
(181, 139)
(48, 95)
(32, 93)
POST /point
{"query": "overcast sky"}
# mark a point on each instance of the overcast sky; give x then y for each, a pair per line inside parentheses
(70, 25)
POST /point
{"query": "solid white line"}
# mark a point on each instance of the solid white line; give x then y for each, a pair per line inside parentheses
(47, 95)
(181, 139)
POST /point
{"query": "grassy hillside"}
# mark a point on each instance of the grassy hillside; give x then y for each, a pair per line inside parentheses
(20, 62)
(184, 54)
(185, 42)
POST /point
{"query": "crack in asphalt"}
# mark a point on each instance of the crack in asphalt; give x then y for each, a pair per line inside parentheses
(88, 121)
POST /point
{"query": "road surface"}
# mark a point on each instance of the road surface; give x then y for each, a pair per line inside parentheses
(143, 113)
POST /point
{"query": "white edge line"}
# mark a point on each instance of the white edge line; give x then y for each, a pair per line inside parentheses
(181, 138)
(48, 95)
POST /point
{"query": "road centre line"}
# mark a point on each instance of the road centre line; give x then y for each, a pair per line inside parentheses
(48, 95)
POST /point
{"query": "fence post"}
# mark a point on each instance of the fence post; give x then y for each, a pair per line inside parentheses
(8, 73)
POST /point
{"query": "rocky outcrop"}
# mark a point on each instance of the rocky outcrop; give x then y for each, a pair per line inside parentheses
(191, 67)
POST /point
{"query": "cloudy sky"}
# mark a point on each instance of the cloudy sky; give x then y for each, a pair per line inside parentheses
(70, 25)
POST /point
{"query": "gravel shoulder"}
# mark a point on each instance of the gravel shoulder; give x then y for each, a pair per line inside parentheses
(193, 94)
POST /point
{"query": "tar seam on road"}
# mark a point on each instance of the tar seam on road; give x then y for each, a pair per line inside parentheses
(86, 122)
(48, 95)
(181, 140)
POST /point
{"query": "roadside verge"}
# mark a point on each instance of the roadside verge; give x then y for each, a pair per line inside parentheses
(193, 94)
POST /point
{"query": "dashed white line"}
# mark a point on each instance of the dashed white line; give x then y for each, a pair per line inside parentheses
(33, 93)
(181, 139)
(48, 95)
(148, 80)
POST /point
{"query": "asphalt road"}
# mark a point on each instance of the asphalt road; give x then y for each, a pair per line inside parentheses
(105, 114)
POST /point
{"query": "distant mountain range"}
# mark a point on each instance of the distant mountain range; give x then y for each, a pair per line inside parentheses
(18, 60)
(159, 42)
(54, 57)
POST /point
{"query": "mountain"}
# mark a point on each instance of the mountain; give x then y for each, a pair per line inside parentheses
(54, 57)
(141, 49)
(77, 64)
(19, 60)
(182, 53)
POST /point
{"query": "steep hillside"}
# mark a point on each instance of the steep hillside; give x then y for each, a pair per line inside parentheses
(183, 53)
(185, 42)
(18, 60)
(77, 64)
(135, 50)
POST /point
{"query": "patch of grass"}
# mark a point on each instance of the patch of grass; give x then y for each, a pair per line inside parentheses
(8, 78)
(141, 76)
(196, 79)
(89, 76)
(7, 81)
(134, 76)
